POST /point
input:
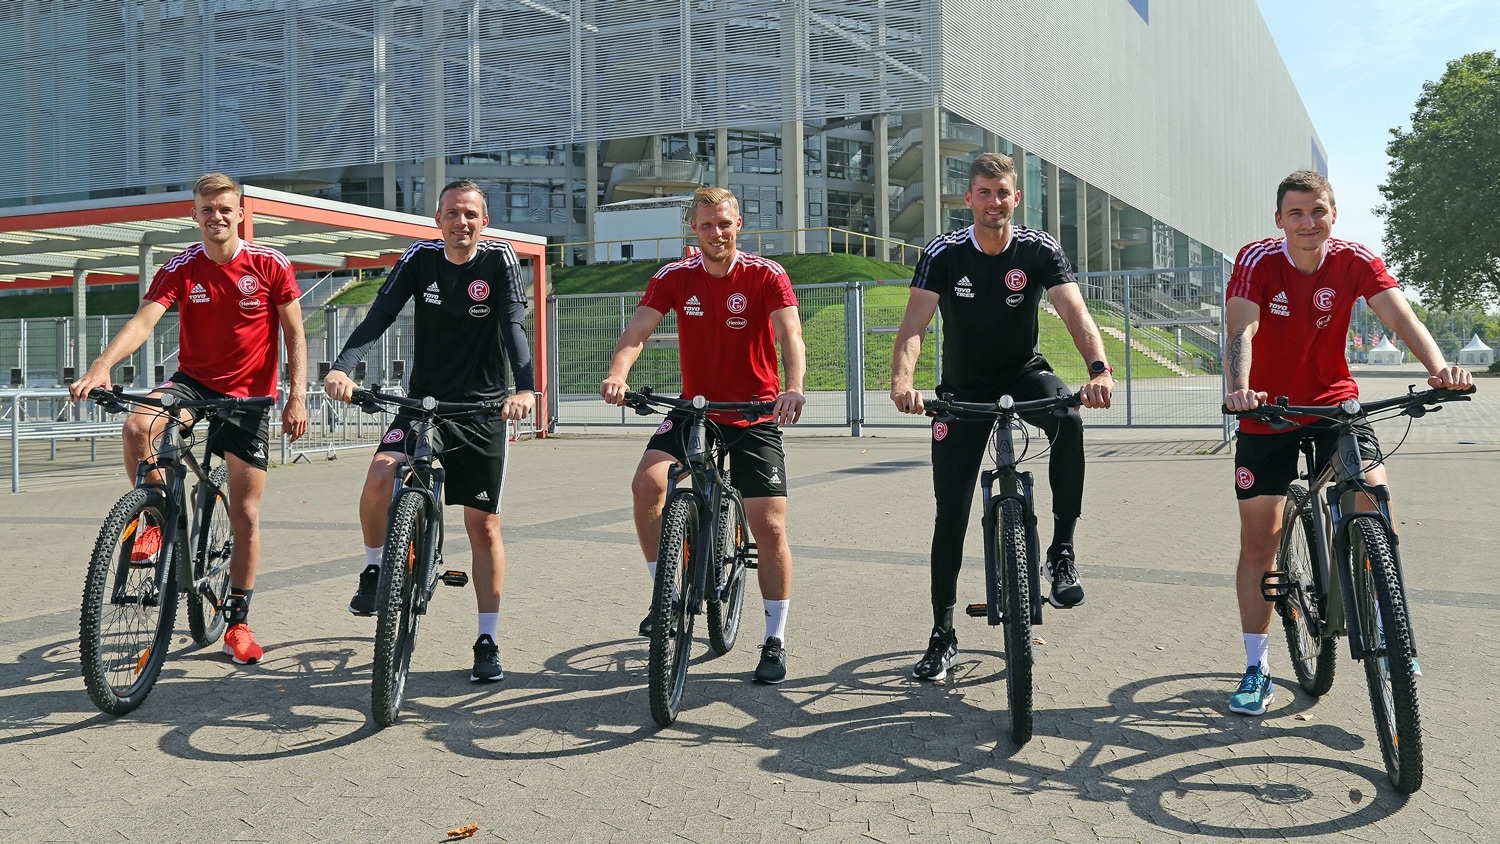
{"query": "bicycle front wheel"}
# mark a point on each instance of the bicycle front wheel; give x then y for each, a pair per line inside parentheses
(1393, 684)
(126, 623)
(1014, 583)
(671, 622)
(215, 544)
(1312, 655)
(396, 622)
(729, 576)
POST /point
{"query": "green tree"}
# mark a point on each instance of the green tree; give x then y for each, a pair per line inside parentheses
(1443, 192)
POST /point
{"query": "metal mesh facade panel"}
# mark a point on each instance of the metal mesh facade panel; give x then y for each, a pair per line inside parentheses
(1191, 118)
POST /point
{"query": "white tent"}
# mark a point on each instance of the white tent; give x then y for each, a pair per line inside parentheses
(1385, 352)
(1476, 353)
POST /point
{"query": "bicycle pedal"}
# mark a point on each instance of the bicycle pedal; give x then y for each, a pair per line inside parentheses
(977, 610)
(1275, 585)
(455, 578)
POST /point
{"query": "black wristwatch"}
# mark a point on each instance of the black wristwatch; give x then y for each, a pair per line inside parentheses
(1099, 367)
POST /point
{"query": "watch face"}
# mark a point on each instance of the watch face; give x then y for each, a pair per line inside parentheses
(1097, 367)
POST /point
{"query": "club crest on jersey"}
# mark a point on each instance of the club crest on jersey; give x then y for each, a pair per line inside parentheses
(1324, 299)
(737, 303)
(1244, 478)
(394, 435)
(939, 431)
(479, 290)
(664, 427)
(1016, 280)
(247, 284)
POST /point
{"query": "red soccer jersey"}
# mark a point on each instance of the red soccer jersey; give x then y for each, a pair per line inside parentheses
(724, 333)
(228, 313)
(1299, 348)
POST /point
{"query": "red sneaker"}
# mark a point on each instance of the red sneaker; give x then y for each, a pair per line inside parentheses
(146, 544)
(240, 645)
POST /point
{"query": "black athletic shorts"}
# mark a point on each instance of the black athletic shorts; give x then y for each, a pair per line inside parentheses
(245, 433)
(757, 462)
(471, 452)
(1266, 464)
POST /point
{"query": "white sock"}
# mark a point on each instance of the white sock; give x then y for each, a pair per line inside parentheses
(776, 619)
(372, 555)
(1257, 647)
(489, 622)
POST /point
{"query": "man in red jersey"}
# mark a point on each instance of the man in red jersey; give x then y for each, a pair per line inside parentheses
(733, 308)
(1289, 303)
(233, 298)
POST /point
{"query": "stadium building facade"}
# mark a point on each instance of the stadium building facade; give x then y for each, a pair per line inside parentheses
(1149, 133)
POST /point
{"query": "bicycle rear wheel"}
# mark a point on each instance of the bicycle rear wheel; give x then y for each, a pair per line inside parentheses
(214, 546)
(126, 623)
(1014, 584)
(1312, 655)
(729, 576)
(671, 623)
(1393, 685)
(396, 623)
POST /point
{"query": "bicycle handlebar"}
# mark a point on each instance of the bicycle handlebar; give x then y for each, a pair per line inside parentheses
(371, 400)
(1006, 406)
(643, 400)
(111, 400)
(1278, 410)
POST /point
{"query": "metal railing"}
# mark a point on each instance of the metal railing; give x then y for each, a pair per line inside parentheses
(1166, 359)
(813, 241)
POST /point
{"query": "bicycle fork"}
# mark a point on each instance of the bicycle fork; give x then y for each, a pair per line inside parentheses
(1016, 486)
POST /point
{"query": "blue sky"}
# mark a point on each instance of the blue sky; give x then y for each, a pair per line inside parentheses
(1359, 66)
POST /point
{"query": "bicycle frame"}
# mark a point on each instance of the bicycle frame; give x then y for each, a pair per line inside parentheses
(410, 475)
(705, 469)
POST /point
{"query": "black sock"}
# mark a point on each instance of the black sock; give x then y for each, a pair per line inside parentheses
(942, 617)
(237, 605)
(1062, 532)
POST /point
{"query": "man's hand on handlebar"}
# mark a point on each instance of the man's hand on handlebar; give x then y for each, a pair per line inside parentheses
(338, 386)
(519, 405)
(1451, 378)
(612, 389)
(907, 400)
(788, 408)
(1240, 401)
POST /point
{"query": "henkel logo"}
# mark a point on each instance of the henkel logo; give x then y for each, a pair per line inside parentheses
(665, 426)
(738, 303)
(939, 430)
(249, 304)
(1244, 478)
(479, 311)
(1323, 299)
(247, 284)
(394, 435)
(479, 290)
(1015, 279)
(1014, 299)
(1324, 320)
(736, 322)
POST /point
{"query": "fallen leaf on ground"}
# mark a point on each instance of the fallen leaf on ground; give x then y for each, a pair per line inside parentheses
(463, 831)
(1038, 640)
(777, 782)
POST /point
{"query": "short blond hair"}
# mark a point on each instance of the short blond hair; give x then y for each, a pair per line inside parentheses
(212, 183)
(709, 197)
(991, 165)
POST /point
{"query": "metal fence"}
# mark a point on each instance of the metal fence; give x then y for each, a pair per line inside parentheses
(1163, 330)
(38, 352)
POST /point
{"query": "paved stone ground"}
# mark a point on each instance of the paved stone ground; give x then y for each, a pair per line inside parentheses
(1133, 742)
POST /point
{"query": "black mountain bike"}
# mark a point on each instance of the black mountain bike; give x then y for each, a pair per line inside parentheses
(411, 566)
(141, 559)
(1012, 551)
(1338, 572)
(701, 522)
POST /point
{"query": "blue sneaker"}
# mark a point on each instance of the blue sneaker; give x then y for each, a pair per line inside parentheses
(1254, 694)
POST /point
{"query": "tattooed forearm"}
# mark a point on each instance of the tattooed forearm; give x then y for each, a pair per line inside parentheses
(1238, 358)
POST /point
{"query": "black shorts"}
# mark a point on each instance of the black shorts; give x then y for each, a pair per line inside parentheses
(757, 462)
(471, 452)
(245, 432)
(1266, 464)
